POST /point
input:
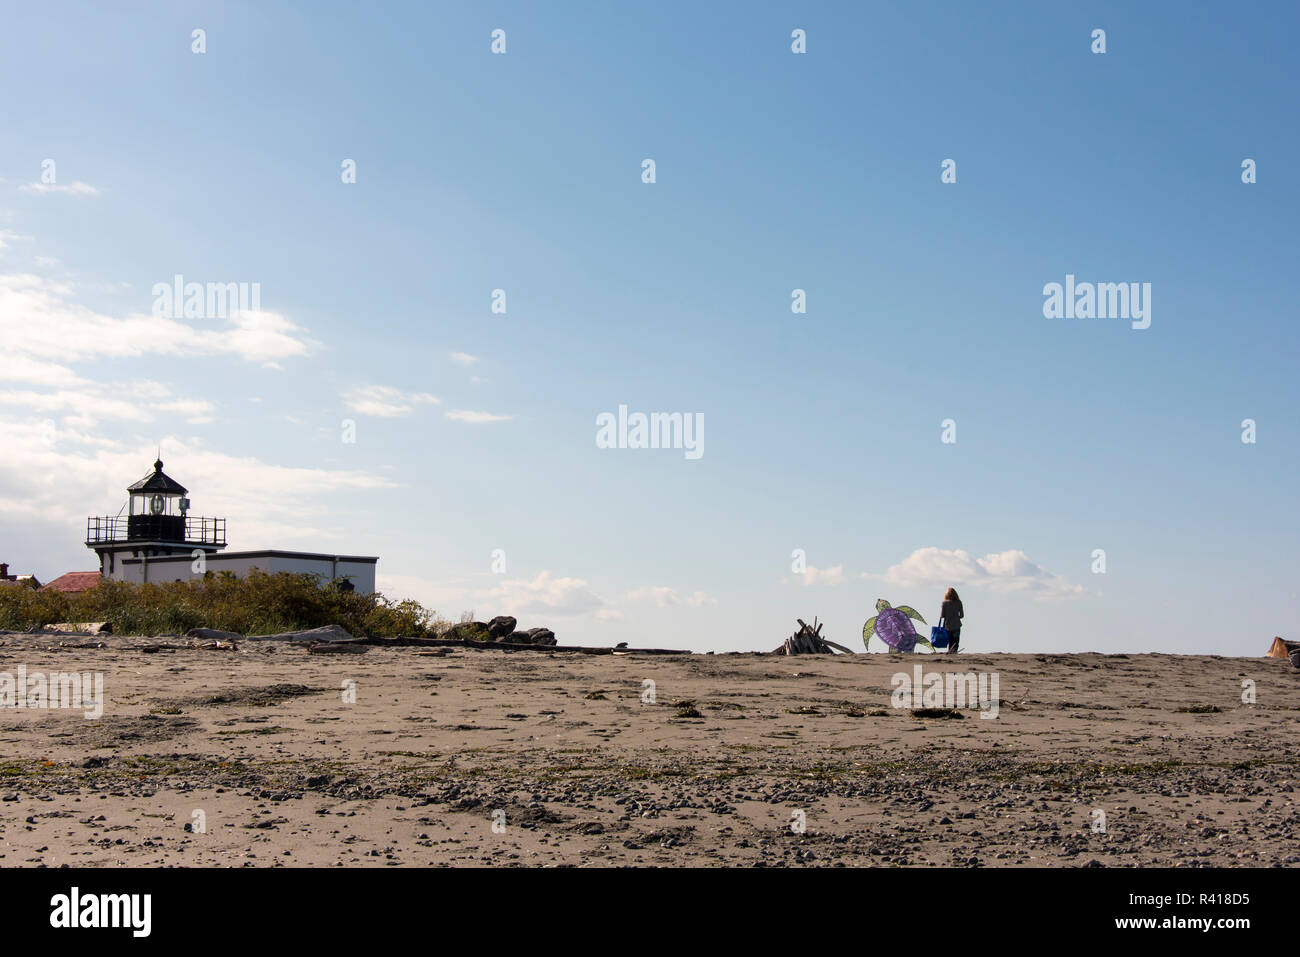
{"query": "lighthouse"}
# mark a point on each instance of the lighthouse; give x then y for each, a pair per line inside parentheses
(154, 538)
(157, 524)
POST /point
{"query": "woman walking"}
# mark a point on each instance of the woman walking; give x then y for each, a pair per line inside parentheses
(950, 617)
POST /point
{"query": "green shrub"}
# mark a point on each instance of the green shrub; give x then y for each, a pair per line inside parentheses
(261, 603)
(472, 630)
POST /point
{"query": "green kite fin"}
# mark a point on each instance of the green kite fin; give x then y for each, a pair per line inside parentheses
(911, 613)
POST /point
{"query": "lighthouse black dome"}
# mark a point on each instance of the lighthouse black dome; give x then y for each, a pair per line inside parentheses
(158, 481)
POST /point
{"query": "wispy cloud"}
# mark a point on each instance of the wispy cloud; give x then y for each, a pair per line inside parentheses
(75, 188)
(84, 408)
(463, 358)
(83, 403)
(385, 401)
(39, 317)
(664, 596)
(467, 415)
(8, 236)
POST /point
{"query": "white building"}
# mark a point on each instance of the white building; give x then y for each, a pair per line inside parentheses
(157, 540)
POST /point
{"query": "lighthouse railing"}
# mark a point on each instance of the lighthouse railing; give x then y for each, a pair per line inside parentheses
(112, 529)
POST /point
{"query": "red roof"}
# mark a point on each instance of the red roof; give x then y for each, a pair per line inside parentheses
(73, 582)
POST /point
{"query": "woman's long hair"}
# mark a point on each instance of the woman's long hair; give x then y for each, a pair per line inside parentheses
(951, 595)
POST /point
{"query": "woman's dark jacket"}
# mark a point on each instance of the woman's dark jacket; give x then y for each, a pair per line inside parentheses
(951, 615)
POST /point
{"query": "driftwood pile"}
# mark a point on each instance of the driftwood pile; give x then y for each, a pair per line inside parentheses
(808, 640)
(1282, 648)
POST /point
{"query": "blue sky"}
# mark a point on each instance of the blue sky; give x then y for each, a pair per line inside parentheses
(774, 171)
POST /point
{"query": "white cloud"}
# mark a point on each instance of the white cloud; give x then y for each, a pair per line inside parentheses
(257, 337)
(663, 596)
(39, 318)
(463, 358)
(15, 368)
(823, 576)
(384, 401)
(75, 188)
(59, 476)
(58, 464)
(8, 236)
(466, 415)
(543, 595)
(84, 403)
(194, 410)
(1008, 571)
(81, 409)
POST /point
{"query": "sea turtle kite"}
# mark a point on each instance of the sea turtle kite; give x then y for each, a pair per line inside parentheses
(893, 627)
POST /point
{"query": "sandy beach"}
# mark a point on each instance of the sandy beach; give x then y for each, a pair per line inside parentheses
(465, 757)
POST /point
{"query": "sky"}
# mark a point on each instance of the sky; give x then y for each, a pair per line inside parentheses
(1084, 484)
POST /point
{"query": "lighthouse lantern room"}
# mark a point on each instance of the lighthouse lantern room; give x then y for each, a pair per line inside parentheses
(157, 508)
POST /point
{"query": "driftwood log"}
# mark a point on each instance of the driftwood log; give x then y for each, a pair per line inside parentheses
(514, 646)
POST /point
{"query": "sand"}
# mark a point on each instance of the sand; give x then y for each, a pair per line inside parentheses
(464, 757)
